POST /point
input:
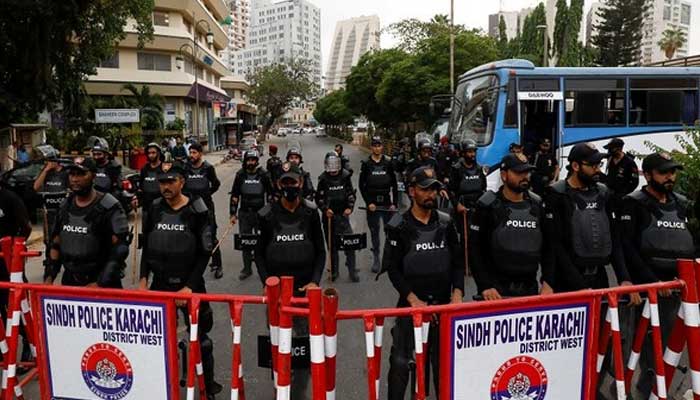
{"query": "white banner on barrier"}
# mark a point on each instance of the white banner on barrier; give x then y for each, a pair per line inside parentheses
(105, 349)
(537, 353)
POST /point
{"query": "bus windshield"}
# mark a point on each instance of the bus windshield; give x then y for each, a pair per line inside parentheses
(474, 110)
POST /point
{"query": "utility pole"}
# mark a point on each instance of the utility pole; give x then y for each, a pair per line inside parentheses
(452, 46)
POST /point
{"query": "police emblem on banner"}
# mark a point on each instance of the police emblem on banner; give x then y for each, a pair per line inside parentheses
(520, 378)
(106, 371)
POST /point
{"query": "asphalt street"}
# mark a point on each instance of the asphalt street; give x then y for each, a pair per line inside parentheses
(368, 293)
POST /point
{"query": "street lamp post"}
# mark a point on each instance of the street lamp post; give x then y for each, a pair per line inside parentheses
(545, 58)
(452, 46)
(194, 54)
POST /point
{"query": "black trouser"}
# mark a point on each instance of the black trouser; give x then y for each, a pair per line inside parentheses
(216, 256)
(71, 278)
(517, 288)
(373, 222)
(204, 326)
(51, 215)
(339, 224)
(401, 358)
(247, 224)
(300, 379)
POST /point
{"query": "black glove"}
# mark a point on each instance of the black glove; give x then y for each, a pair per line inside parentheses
(51, 268)
(111, 273)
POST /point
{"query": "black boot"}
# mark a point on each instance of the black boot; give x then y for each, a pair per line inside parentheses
(245, 273)
(217, 271)
(212, 386)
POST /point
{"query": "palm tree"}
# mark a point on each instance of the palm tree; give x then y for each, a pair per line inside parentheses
(672, 40)
(150, 105)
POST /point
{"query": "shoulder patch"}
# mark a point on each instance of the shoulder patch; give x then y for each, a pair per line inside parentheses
(444, 217)
(637, 195)
(559, 186)
(265, 211)
(534, 197)
(396, 221)
(309, 204)
(487, 199)
(199, 206)
(108, 201)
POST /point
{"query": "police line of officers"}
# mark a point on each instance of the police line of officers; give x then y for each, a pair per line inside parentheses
(515, 242)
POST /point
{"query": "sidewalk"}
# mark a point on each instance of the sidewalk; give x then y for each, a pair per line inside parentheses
(36, 238)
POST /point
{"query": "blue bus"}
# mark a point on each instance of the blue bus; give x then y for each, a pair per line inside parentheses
(512, 101)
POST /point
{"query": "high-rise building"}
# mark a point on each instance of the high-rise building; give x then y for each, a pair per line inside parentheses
(663, 15)
(353, 38)
(237, 30)
(514, 22)
(281, 31)
(181, 64)
(593, 19)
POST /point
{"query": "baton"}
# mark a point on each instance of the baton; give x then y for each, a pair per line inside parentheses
(385, 209)
(330, 261)
(136, 248)
(226, 232)
(46, 226)
(466, 252)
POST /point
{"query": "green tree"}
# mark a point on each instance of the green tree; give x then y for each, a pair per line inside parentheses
(571, 54)
(619, 34)
(275, 87)
(411, 32)
(332, 110)
(150, 105)
(672, 40)
(561, 29)
(48, 48)
(532, 40)
(503, 38)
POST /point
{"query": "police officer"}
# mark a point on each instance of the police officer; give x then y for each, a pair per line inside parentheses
(515, 148)
(291, 244)
(344, 160)
(201, 181)
(149, 189)
(467, 179)
(294, 157)
(444, 160)
(251, 190)
(622, 175)
(655, 234)
(52, 185)
(378, 187)
(579, 225)
(546, 167)
(507, 244)
(14, 222)
(335, 198)
(108, 170)
(424, 158)
(425, 263)
(273, 164)
(177, 246)
(90, 239)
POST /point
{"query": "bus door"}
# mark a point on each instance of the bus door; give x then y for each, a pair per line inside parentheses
(539, 113)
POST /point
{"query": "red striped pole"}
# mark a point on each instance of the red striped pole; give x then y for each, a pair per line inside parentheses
(617, 346)
(19, 260)
(10, 383)
(636, 350)
(330, 330)
(272, 293)
(284, 377)
(603, 342)
(688, 271)
(674, 347)
(194, 364)
(660, 389)
(378, 333)
(420, 355)
(237, 390)
(371, 372)
(318, 358)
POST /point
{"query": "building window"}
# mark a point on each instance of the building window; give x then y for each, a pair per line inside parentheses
(595, 102)
(154, 62)
(663, 101)
(685, 14)
(112, 62)
(667, 13)
(188, 26)
(161, 18)
(200, 73)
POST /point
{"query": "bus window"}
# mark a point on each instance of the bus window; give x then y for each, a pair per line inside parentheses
(538, 85)
(663, 101)
(511, 115)
(595, 102)
(475, 117)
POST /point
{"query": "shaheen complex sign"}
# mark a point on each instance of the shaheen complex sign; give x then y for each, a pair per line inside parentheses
(106, 349)
(538, 352)
(116, 115)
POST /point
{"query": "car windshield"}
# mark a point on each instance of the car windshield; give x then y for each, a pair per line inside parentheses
(440, 128)
(474, 111)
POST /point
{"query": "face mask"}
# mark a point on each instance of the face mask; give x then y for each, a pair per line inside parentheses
(291, 193)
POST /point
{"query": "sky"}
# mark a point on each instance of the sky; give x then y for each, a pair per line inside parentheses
(472, 13)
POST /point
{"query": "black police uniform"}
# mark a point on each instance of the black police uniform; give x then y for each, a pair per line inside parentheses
(580, 226)
(426, 260)
(545, 165)
(53, 193)
(107, 178)
(202, 182)
(378, 186)
(337, 194)
(176, 250)
(291, 244)
(467, 184)
(249, 194)
(274, 168)
(150, 188)
(417, 163)
(654, 236)
(14, 222)
(345, 164)
(622, 178)
(399, 161)
(307, 191)
(507, 245)
(87, 251)
(444, 161)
